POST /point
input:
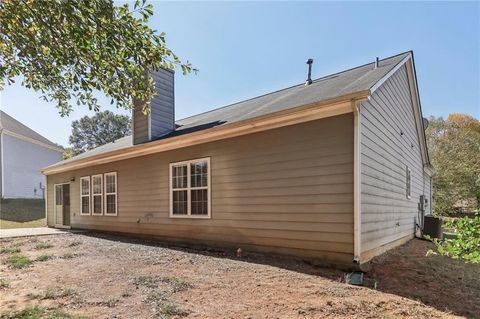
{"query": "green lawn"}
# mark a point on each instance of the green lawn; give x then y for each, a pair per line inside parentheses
(21, 213)
(6, 224)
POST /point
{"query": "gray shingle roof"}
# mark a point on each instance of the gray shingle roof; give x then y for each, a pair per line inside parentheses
(10, 124)
(336, 85)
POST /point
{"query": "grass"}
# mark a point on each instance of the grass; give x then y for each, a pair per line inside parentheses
(175, 284)
(22, 210)
(9, 250)
(147, 281)
(164, 307)
(6, 224)
(43, 245)
(4, 284)
(68, 256)
(38, 313)
(159, 298)
(44, 257)
(22, 213)
(75, 243)
(19, 261)
(53, 293)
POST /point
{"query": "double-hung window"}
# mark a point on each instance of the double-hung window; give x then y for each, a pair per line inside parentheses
(190, 189)
(408, 182)
(97, 191)
(85, 195)
(110, 180)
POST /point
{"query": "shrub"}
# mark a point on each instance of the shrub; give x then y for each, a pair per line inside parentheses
(466, 242)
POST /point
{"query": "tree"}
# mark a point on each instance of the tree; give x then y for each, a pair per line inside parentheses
(102, 128)
(454, 146)
(67, 50)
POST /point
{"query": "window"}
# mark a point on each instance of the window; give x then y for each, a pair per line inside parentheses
(97, 191)
(85, 195)
(110, 180)
(190, 189)
(408, 183)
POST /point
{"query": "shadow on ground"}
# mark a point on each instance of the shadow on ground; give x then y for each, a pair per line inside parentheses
(442, 283)
(22, 210)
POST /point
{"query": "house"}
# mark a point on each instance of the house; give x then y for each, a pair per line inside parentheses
(335, 170)
(23, 152)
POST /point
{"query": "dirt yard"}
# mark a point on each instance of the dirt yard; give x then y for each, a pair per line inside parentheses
(100, 276)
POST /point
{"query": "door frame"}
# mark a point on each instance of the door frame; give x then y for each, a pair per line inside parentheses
(55, 206)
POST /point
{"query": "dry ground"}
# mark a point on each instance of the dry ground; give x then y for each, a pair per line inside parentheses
(100, 276)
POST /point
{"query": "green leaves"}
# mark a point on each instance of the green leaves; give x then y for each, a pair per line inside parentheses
(68, 50)
(454, 147)
(465, 243)
(102, 128)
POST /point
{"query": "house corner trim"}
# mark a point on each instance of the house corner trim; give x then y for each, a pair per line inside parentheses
(357, 174)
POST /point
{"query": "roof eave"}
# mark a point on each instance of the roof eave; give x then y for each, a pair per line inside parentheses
(31, 140)
(304, 113)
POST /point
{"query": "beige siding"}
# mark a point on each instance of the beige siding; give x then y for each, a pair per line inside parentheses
(288, 190)
(387, 214)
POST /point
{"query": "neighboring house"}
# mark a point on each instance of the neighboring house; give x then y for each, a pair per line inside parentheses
(23, 152)
(336, 170)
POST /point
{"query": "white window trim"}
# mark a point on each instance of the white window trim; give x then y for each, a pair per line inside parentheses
(89, 193)
(100, 194)
(408, 182)
(188, 189)
(105, 193)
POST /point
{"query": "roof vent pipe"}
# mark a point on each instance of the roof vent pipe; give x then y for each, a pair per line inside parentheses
(309, 78)
(376, 63)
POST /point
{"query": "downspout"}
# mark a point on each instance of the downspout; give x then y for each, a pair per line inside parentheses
(357, 175)
(46, 199)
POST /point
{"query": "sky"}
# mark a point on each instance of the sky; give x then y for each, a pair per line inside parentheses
(245, 49)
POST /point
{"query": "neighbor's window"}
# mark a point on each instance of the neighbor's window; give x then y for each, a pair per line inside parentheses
(85, 195)
(190, 188)
(408, 182)
(110, 180)
(97, 191)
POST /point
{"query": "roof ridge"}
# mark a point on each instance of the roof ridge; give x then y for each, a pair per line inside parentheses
(293, 86)
(14, 121)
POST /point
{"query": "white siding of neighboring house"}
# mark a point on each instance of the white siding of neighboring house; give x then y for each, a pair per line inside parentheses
(387, 215)
(22, 161)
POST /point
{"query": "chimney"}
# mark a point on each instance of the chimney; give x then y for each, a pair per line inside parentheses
(309, 78)
(161, 119)
(376, 63)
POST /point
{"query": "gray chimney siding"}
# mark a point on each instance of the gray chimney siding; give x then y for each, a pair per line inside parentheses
(161, 119)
